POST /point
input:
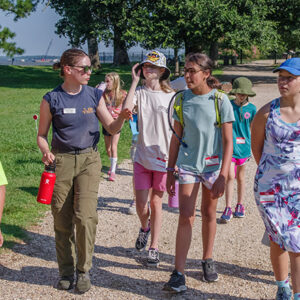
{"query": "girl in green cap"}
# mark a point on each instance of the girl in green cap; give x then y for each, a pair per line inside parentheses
(244, 113)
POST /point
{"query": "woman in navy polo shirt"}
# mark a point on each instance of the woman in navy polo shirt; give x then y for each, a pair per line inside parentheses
(74, 108)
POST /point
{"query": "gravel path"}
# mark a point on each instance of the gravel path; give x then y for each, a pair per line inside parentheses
(29, 270)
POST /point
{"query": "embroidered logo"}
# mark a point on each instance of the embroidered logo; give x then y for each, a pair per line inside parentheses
(88, 110)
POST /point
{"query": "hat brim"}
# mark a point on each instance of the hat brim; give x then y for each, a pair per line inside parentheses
(290, 70)
(243, 92)
(164, 76)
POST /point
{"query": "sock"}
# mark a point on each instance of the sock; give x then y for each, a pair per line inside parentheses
(113, 164)
(146, 229)
(283, 283)
(297, 296)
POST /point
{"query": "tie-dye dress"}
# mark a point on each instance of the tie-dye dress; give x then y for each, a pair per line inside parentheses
(277, 181)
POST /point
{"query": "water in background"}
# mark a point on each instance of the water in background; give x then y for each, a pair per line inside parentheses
(105, 57)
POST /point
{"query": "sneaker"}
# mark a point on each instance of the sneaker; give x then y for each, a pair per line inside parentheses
(239, 211)
(153, 258)
(83, 282)
(65, 282)
(226, 216)
(209, 270)
(132, 208)
(176, 284)
(284, 293)
(141, 241)
(112, 176)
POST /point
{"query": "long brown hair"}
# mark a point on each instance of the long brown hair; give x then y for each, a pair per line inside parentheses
(116, 93)
(206, 65)
(69, 58)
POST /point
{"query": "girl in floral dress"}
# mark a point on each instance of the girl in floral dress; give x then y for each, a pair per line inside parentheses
(276, 149)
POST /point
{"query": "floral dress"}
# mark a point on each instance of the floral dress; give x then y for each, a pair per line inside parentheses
(277, 181)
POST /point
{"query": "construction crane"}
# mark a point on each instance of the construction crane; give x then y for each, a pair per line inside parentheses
(48, 49)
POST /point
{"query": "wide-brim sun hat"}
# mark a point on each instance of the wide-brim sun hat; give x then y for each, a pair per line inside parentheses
(292, 65)
(158, 59)
(242, 85)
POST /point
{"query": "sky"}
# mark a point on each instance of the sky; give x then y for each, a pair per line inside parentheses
(34, 33)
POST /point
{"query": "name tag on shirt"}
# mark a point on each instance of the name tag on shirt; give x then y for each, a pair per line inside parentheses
(266, 197)
(240, 140)
(161, 162)
(212, 161)
(69, 111)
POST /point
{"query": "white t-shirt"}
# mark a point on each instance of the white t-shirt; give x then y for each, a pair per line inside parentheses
(152, 149)
(179, 84)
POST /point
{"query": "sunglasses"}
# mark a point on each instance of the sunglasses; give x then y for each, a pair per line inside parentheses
(84, 68)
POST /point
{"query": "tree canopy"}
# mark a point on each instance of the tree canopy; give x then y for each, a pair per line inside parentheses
(19, 9)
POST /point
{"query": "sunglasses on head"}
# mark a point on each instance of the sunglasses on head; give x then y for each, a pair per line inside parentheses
(85, 68)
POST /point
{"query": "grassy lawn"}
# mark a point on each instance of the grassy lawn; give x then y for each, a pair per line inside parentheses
(21, 91)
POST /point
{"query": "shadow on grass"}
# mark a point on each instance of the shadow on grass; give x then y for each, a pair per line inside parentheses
(44, 77)
(30, 190)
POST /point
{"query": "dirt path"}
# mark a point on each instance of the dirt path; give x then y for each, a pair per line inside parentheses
(29, 271)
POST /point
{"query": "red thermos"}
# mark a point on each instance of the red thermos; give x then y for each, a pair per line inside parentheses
(47, 185)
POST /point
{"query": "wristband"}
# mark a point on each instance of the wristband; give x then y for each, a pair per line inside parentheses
(170, 169)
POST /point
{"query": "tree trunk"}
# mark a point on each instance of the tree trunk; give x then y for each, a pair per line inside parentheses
(94, 52)
(120, 50)
(213, 52)
(192, 46)
(176, 62)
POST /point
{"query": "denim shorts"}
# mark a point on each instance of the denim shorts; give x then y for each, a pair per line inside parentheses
(208, 178)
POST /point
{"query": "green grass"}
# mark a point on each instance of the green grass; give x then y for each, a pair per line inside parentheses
(21, 91)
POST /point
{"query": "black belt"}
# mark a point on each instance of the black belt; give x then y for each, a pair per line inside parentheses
(76, 151)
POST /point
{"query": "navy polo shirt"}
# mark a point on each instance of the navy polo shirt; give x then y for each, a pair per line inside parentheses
(74, 121)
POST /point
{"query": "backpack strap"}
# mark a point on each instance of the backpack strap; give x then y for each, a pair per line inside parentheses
(178, 107)
(218, 103)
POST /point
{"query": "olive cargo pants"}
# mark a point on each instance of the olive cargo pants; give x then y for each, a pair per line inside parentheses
(74, 206)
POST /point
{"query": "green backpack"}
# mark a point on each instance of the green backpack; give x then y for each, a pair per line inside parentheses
(218, 102)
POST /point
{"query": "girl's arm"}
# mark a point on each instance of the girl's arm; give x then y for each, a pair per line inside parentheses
(173, 154)
(128, 103)
(258, 126)
(218, 187)
(44, 125)
(111, 125)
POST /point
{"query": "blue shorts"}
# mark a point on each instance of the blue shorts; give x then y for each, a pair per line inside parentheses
(208, 178)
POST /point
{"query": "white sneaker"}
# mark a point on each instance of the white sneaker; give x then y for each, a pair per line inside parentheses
(132, 208)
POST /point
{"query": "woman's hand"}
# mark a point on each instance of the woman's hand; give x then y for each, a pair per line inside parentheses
(48, 158)
(218, 187)
(125, 114)
(136, 75)
(170, 183)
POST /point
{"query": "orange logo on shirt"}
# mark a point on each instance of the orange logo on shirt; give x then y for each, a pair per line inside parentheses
(88, 110)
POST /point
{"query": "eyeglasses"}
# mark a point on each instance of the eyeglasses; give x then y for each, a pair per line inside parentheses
(191, 71)
(285, 78)
(84, 68)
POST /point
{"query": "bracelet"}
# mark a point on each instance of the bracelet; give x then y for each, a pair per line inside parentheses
(170, 169)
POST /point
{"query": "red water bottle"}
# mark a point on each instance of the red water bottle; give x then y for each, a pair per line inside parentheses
(47, 185)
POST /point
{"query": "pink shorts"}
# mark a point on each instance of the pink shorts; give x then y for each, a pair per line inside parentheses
(145, 179)
(240, 161)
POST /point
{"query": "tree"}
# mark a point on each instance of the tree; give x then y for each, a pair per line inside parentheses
(19, 9)
(106, 20)
(286, 15)
(80, 25)
(202, 25)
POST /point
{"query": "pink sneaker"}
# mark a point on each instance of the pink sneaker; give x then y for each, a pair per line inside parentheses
(112, 176)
